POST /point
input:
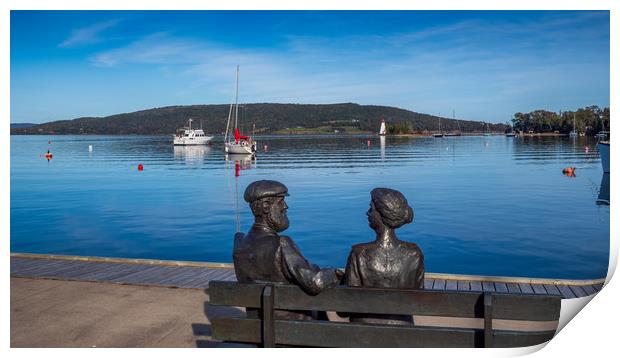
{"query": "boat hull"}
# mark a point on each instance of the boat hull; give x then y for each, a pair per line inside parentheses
(192, 141)
(235, 148)
(603, 150)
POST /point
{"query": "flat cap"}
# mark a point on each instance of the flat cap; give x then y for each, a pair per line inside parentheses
(264, 189)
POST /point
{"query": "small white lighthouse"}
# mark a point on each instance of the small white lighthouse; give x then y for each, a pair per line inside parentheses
(382, 129)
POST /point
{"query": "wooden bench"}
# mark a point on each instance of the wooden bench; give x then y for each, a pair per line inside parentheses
(486, 310)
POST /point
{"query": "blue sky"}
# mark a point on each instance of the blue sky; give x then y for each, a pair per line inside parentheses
(485, 65)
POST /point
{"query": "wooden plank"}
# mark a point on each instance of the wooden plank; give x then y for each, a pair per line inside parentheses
(565, 291)
(500, 287)
(201, 279)
(269, 330)
(488, 286)
(598, 287)
(335, 334)
(121, 272)
(590, 290)
(23, 264)
(513, 288)
(428, 283)
(526, 288)
(507, 339)
(60, 270)
(578, 291)
(190, 276)
(526, 307)
(476, 286)
(95, 269)
(552, 290)
(139, 276)
(389, 301)
(462, 285)
(41, 269)
(163, 276)
(488, 320)
(231, 276)
(539, 289)
(451, 285)
(106, 270)
(213, 276)
(236, 329)
(439, 285)
(182, 273)
(117, 271)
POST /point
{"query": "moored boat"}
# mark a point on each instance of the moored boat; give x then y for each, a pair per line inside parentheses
(240, 144)
(189, 136)
(382, 128)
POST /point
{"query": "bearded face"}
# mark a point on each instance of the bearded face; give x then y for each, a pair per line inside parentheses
(276, 214)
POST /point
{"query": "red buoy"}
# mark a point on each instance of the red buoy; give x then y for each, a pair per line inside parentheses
(140, 167)
(569, 171)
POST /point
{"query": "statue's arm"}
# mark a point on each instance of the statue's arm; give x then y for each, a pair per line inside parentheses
(351, 273)
(311, 278)
(419, 278)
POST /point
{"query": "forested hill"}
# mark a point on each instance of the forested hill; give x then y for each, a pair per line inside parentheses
(267, 117)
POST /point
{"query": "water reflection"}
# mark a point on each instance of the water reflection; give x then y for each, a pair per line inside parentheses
(192, 154)
(241, 162)
(382, 144)
(603, 194)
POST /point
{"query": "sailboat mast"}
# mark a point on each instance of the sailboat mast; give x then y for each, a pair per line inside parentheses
(236, 98)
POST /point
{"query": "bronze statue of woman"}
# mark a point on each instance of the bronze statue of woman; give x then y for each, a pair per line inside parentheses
(386, 262)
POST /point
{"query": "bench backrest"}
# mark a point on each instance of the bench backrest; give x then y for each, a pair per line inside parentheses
(487, 306)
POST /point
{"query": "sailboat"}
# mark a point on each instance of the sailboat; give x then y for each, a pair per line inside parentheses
(457, 133)
(511, 133)
(574, 132)
(382, 128)
(487, 131)
(241, 144)
(440, 134)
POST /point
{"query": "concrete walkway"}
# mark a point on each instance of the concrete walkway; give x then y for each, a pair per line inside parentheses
(54, 313)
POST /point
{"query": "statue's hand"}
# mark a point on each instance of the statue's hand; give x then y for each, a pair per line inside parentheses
(339, 274)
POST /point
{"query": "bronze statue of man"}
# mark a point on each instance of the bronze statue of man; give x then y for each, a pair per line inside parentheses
(386, 262)
(262, 255)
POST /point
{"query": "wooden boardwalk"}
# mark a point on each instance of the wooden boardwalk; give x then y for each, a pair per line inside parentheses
(198, 275)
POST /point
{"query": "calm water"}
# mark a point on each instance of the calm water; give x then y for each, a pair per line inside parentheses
(483, 205)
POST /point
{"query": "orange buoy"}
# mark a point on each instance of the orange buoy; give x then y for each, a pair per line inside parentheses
(569, 171)
(140, 167)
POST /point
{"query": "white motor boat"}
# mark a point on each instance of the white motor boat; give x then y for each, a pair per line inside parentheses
(239, 144)
(189, 136)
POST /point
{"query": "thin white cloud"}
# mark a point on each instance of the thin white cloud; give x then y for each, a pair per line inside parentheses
(409, 70)
(89, 34)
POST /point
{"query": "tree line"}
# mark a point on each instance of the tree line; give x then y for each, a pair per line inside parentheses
(589, 120)
(260, 118)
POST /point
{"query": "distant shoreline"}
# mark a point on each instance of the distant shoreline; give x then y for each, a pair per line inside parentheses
(307, 134)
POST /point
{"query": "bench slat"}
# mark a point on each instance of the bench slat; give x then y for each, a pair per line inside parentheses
(368, 300)
(333, 334)
(507, 339)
